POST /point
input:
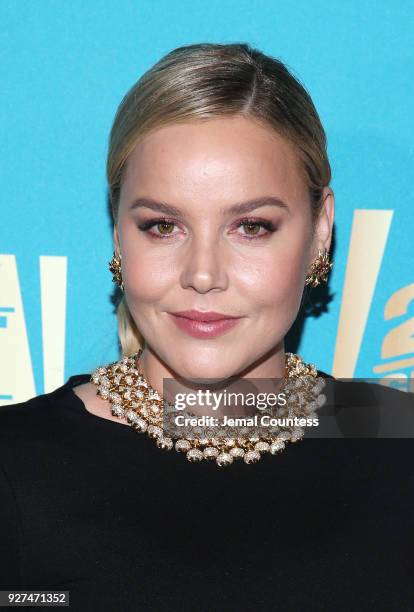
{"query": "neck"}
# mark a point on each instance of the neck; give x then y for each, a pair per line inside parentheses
(269, 372)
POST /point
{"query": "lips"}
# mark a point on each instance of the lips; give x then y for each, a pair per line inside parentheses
(204, 324)
(198, 315)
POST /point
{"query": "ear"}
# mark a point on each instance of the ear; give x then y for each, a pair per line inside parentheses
(117, 248)
(324, 224)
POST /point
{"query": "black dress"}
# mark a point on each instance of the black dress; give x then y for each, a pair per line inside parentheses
(91, 506)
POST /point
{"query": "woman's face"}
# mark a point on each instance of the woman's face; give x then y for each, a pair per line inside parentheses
(186, 246)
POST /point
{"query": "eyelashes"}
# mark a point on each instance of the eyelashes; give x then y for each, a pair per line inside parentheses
(269, 226)
(146, 225)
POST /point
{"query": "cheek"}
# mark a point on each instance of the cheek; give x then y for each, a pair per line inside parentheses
(146, 282)
(147, 273)
(275, 280)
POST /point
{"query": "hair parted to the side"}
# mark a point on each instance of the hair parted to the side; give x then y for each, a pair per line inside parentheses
(204, 81)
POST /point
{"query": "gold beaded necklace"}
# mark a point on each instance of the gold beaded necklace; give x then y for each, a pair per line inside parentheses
(132, 398)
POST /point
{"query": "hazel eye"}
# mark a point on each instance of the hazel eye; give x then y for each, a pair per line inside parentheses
(250, 226)
(165, 226)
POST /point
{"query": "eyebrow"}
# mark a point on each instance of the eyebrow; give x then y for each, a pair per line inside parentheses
(239, 208)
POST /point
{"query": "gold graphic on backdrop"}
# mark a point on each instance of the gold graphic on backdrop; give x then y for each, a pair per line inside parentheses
(398, 343)
(369, 235)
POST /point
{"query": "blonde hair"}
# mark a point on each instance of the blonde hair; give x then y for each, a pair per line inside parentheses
(206, 80)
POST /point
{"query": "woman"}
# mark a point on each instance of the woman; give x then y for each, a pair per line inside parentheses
(219, 184)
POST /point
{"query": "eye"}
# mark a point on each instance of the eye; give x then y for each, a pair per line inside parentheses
(252, 228)
(164, 226)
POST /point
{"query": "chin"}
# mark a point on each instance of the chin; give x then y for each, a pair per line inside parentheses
(199, 373)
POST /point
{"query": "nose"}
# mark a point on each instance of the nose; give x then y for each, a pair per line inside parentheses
(204, 267)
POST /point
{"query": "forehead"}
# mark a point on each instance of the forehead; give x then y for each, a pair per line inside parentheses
(216, 158)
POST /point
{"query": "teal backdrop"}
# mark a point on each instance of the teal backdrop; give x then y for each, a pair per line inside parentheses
(65, 66)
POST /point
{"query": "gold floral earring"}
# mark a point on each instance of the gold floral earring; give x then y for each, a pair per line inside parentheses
(319, 269)
(115, 268)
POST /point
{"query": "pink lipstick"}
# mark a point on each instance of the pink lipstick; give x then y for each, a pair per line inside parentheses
(204, 324)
